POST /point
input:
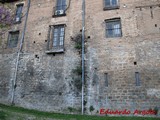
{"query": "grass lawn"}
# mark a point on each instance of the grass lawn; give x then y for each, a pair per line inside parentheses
(18, 113)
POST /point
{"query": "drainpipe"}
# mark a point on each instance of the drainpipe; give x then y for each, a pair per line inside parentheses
(83, 38)
(18, 55)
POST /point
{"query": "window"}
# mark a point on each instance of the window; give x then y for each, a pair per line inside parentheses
(60, 8)
(137, 76)
(106, 79)
(56, 38)
(111, 4)
(61, 5)
(113, 28)
(18, 13)
(13, 39)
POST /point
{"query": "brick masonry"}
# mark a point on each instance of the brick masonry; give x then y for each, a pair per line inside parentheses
(136, 51)
(45, 81)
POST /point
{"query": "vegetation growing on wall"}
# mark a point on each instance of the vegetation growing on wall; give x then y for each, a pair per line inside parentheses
(73, 110)
(6, 19)
(91, 109)
(6, 16)
(77, 71)
(78, 41)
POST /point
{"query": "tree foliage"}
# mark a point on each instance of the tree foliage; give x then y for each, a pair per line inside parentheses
(6, 16)
(6, 19)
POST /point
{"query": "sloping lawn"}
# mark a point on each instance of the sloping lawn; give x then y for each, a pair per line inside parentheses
(18, 113)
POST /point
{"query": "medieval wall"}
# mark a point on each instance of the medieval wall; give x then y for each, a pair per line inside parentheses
(121, 57)
(44, 81)
(47, 81)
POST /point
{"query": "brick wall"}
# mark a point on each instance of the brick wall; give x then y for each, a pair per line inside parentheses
(45, 81)
(136, 51)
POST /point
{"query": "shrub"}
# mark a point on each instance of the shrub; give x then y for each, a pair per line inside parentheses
(78, 41)
(91, 108)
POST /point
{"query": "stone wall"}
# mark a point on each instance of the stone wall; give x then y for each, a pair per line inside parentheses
(46, 81)
(136, 51)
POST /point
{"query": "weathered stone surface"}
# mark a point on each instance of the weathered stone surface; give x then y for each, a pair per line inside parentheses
(45, 81)
(117, 56)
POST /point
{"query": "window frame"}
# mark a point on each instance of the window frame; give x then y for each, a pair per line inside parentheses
(106, 78)
(60, 5)
(63, 10)
(137, 79)
(58, 27)
(113, 20)
(111, 7)
(20, 14)
(51, 33)
(10, 33)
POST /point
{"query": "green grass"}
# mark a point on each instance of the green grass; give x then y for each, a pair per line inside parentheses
(18, 113)
(2, 115)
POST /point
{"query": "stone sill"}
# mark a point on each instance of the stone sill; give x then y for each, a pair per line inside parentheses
(55, 51)
(111, 7)
(17, 22)
(58, 15)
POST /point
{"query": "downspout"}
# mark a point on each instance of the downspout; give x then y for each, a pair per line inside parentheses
(18, 55)
(83, 38)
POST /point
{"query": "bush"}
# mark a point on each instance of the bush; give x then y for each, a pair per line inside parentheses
(85, 102)
(91, 108)
(70, 109)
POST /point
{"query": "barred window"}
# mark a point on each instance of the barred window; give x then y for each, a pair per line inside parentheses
(13, 39)
(60, 8)
(137, 77)
(18, 13)
(113, 28)
(58, 35)
(61, 5)
(56, 38)
(111, 4)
